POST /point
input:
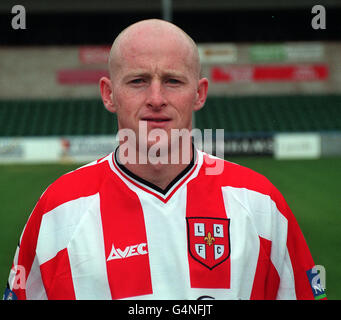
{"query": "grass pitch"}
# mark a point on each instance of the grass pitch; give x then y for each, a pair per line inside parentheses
(311, 188)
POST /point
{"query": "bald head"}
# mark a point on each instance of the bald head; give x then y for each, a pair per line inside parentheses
(149, 34)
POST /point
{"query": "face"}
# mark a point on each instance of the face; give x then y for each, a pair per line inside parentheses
(155, 84)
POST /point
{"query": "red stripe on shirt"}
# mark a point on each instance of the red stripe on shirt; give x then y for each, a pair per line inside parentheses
(266, 280)
(57, 277)
(124, 228)
(206, 203)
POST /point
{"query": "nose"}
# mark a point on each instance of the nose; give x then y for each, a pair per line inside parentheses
(156, 96)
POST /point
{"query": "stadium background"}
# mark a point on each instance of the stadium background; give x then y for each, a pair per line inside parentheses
(275, 89)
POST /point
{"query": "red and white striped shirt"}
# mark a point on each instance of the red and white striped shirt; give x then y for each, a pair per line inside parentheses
(100, 232)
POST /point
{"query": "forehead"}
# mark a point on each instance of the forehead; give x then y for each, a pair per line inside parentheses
(153, 49)
(158, 56)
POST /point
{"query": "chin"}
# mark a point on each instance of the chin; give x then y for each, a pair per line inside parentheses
(161, 144)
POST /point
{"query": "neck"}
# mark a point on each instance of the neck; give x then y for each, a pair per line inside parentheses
(159, 174)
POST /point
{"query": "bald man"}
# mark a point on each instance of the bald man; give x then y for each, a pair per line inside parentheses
(154, 82)
(143, 224)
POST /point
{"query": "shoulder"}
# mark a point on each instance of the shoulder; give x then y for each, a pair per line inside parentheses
(82, 182)
(251, 186)
(233, 174)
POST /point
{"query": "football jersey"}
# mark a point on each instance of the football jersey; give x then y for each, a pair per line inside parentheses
(101, 232)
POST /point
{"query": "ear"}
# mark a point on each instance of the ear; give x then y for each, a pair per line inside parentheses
(106, 93)
(201, 94)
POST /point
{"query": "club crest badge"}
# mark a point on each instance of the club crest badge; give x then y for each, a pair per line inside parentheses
(208, 240)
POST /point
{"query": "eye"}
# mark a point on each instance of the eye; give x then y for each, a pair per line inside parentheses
(137, 81)
(173, 81)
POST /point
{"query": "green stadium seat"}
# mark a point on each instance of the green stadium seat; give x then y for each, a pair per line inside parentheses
(236, 115)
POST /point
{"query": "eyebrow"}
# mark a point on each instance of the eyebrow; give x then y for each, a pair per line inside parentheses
(144, 74)
(134, 74)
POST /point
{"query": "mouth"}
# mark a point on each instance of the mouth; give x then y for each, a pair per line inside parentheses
(157, 122)
(156, 119)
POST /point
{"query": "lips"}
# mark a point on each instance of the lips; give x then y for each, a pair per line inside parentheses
(155, 119)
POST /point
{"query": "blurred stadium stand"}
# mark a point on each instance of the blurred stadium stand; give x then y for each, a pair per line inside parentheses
(35, 102)
(252, 115)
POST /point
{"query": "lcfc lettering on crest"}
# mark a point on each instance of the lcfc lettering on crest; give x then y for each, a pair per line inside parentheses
(129, 251)
(208, 240)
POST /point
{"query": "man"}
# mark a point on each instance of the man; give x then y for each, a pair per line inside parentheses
(143, 224)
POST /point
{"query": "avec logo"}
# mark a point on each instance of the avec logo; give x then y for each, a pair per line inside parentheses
(129, 251)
